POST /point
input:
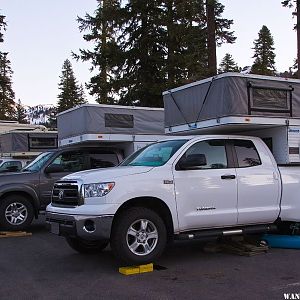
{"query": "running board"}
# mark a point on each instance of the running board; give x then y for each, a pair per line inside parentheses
(215, 233)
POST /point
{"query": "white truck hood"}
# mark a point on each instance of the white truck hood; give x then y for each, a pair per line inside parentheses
(107, 174)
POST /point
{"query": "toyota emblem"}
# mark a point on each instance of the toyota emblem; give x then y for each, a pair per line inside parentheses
(61, 195)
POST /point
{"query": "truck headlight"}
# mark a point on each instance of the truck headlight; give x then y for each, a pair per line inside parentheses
(97, 189)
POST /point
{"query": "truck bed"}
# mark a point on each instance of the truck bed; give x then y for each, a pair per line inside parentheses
(290, 199)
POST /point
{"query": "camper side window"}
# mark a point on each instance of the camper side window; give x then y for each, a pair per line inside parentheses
(246, 153)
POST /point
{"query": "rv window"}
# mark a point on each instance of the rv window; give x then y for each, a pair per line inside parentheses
(246, 153)
(119, 120)
(270, 99)
(42, 142)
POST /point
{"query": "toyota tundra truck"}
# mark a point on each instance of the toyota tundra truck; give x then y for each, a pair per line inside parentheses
(179, 188)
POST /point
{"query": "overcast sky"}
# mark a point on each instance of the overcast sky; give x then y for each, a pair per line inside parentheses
(42, 33)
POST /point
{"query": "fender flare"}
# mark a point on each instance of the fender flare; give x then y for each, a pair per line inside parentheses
(21, 188)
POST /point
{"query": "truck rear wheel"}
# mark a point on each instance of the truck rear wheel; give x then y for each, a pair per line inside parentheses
(138, 236)
(86, 247)
(16, 212)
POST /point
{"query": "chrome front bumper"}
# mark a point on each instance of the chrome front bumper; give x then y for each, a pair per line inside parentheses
(91, 228)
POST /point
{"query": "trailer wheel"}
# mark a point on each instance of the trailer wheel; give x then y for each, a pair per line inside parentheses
(86, 247)
(138, 236)
(16, 212)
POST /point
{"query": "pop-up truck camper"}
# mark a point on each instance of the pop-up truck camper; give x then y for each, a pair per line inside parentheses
(21, 143)
(233, 103)
(126, 128)
(216, 179)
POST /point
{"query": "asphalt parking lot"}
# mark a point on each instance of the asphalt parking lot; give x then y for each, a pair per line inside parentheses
(42, 266)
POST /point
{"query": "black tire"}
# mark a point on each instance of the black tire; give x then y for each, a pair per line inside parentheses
(16, 212)
(123, 243)
(86, 247)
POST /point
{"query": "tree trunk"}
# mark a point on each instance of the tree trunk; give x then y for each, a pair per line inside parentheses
(211, 37)
(170, 45)
(103, 66)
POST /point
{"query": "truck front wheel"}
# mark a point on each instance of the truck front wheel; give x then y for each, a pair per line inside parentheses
(86, 247)
(16, 212)
(139, 236)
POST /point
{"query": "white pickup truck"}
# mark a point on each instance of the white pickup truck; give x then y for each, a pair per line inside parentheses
(181, 188)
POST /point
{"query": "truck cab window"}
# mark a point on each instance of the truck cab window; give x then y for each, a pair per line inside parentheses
(103, 160)
(70, 161)
(246, 153)
(214, 152)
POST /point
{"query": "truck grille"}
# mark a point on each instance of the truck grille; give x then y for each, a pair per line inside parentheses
(66, 193)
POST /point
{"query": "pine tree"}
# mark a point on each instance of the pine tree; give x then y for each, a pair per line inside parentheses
(143, 73)
(193, 54)
(144, 47)
(52, 121)
(217, 32)
(21, 113)
(264, 55)
(295, 4)
(81, 95)
(228, 65)
(196, 28)
(102, 30)
(71, 94)
(2, 27)
(7, 94)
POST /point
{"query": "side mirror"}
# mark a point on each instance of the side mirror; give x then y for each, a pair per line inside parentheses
(54, 169)
(192, 161)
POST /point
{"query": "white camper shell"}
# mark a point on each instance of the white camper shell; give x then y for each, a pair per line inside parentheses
(234, 103)
(125, 127)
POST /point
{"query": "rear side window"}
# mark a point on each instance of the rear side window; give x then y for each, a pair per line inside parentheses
(11, 166)
(102, 160)
(246, 153)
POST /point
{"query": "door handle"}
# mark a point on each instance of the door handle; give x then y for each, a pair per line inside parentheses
(229, 176)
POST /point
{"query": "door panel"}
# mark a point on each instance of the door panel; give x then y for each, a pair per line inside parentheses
(207, 196)
(258, 184)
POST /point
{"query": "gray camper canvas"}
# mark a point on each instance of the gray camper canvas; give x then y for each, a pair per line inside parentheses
(232, 94)
(109, 119)
(24, 141)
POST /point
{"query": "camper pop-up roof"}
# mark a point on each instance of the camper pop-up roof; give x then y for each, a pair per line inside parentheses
(18, 143)
(125, 127)
(98, 122)
(231, 101)
(263, 106)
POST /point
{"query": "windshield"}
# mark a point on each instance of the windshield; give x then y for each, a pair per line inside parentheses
(154, 155)
(37, 164)
(1, 161)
